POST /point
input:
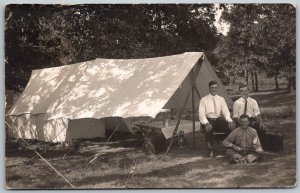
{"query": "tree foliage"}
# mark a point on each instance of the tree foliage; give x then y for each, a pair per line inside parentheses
(277, 37)
(40, 36)
(261, 37)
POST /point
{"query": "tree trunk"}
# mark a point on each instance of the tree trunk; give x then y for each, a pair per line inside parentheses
(256, 81)
(246, 70)
(246, 76)
(252, 81)
(291, 80)
(158, 21)
(292, 83)
(276, 82)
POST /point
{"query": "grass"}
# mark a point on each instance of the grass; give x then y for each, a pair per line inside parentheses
(132, 168)
(276, 105)
(276, 112)
(122, 163)
(264, 83)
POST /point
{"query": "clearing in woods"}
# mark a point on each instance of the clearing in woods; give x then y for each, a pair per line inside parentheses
(122, 164)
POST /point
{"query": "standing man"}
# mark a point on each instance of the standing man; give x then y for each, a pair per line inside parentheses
(247, 105)
(244, 142)
(214, 115)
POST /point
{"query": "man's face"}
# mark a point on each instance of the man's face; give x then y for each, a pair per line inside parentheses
(244, 92)
(213, 89)
(244, 122)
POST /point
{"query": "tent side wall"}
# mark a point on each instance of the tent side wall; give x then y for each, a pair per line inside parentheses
(37, 127)
(85, 128)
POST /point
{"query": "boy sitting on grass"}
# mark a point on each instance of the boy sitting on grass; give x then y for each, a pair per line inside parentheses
(243, 143)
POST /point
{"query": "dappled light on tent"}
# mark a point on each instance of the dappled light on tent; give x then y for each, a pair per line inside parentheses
(103, 88)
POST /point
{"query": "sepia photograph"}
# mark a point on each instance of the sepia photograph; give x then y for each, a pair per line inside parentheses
(150, 96)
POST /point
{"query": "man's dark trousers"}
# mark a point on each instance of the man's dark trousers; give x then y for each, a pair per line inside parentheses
(218, 125)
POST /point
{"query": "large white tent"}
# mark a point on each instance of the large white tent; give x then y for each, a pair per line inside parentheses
(81, 100)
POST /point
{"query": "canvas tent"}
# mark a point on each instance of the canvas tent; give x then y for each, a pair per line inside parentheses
(82, 100)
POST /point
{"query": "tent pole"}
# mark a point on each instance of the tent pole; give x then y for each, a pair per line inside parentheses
(193, 109)
(178, 121)
(195, 87)
(193, 82)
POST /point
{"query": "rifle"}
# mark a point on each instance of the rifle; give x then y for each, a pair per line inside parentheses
(259, 152)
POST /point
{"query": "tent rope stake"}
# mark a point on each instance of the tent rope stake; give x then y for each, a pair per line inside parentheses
(30, 147)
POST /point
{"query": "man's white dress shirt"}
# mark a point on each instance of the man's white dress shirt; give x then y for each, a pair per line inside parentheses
(213, 107)
(239, 107)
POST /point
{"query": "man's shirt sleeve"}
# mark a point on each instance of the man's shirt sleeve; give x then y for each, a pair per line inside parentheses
(228, 141)
(256, 141)
(256, 110)
(202, 113)
(225, 111)
(235, 110)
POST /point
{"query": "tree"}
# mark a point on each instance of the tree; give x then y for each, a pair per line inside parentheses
(39, 36)
(258, 39)
(277, 34)
(236, 51)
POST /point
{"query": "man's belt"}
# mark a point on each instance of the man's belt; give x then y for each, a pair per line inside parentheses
(214, 119)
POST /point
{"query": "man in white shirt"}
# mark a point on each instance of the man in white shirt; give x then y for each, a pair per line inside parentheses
(214, 115)
(247, 105)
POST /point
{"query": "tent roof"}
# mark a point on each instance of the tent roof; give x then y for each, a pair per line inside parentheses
(106, 87)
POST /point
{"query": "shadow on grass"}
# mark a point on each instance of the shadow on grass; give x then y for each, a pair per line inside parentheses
(272, 98)
(17, 148)
(275, 99)
(171, 171)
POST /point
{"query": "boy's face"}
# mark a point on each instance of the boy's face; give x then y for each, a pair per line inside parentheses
(244, 122)
(213, 89)
(244, 92)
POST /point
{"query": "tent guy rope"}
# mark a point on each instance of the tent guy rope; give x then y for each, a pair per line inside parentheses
(45, 160)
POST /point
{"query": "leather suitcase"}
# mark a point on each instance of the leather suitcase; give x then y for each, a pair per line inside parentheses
(273, 142)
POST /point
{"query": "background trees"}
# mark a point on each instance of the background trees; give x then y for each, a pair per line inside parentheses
(40, 36)
(261, 37)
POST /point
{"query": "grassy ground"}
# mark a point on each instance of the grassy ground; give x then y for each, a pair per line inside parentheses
(122, 164)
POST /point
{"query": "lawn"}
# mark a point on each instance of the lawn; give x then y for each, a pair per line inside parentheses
(121, 163)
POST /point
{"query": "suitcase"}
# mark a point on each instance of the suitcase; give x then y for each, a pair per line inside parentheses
(273, 142)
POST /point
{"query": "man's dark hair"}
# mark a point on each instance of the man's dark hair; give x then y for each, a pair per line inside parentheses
(212, 83)
(243, 116)
(243, 86)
